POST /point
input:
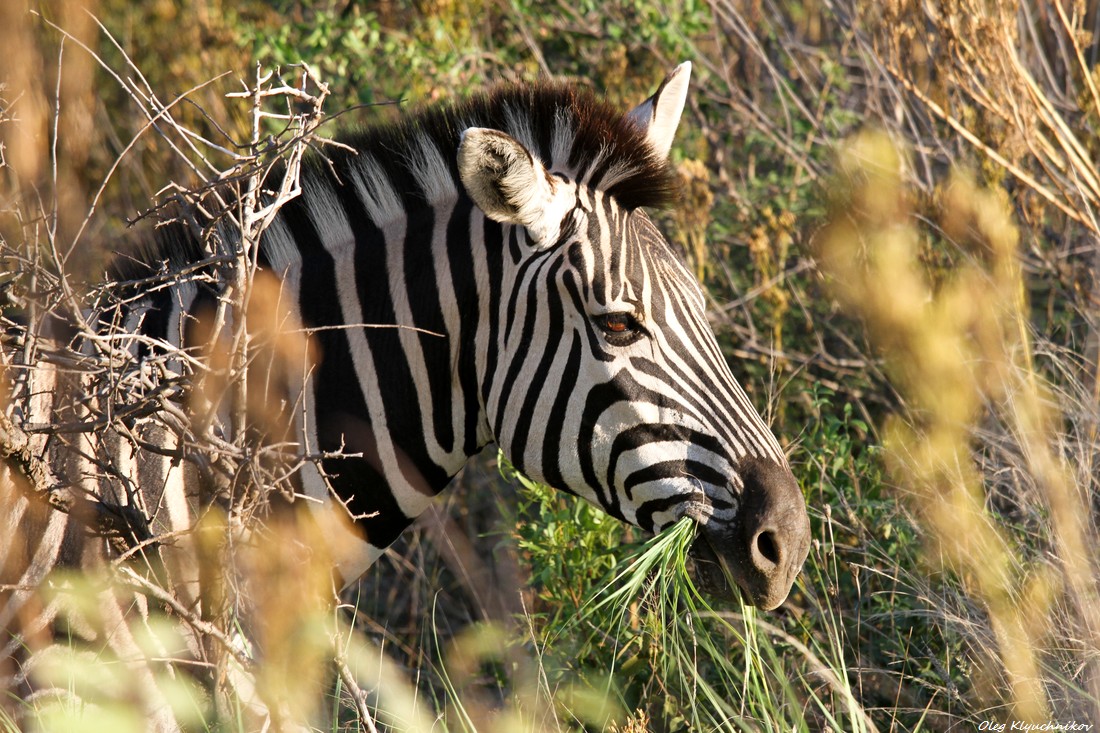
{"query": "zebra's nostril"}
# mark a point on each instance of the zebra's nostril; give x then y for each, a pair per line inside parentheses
(767, 548)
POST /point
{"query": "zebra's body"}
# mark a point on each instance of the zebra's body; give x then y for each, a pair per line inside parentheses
(536, 306)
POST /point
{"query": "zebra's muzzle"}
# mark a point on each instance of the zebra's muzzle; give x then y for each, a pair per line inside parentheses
(763, 549)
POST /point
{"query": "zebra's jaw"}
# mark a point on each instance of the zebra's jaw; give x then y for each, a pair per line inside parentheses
(721, 574)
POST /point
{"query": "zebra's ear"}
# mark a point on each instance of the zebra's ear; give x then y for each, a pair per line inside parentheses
(660, 114)
(508, 183)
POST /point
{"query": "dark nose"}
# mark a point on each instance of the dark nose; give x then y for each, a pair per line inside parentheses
(775, 532)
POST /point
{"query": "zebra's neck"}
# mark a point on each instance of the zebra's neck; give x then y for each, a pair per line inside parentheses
(402, 295)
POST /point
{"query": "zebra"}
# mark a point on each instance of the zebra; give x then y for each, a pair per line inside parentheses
(535, 304)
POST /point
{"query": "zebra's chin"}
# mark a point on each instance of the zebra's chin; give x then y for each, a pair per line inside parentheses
(708, 572)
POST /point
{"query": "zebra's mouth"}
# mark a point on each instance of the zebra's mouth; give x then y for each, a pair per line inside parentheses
(762, 549)
(710, 574)
(722, 571)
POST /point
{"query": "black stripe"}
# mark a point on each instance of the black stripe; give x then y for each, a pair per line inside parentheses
(400, 406)
(202, 306)
(595, 345)
(493, 250)
(427, 313)
(461, 256)
(154, 320)
(648, 509)
(519, 345)
(537, 383)
(555, 424)
(705, 407)
(365, 491)
(623, 389)
(638, 435)
(678, 469)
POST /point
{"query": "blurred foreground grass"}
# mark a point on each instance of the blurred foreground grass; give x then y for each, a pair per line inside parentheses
(963, 359)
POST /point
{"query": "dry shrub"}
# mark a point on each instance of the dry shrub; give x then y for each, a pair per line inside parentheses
(163, 628)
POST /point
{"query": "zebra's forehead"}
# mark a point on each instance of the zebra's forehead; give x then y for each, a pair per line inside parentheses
(629, 249)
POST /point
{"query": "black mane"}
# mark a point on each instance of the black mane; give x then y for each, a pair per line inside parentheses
(608, 148)
(600, 131)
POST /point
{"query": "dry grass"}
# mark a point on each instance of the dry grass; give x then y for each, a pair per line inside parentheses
(962, 357)
(996, 447)
(970, 258)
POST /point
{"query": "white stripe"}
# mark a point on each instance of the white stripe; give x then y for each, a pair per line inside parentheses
(561, 141)
(453, 459)
(561, 345)
(518, 124)
(280, 248)
(511, 412)
(751, 436)
(484, 331)
(330, 219)
(182, 298)
(43, 561)
(605, 246)
(374, 189)
(431, 172)
(175, 490)
(380, 198)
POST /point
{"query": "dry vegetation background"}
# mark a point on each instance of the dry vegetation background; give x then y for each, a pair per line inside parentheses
(894, 207)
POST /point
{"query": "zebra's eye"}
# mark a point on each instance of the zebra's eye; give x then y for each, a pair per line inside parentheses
(620, 329)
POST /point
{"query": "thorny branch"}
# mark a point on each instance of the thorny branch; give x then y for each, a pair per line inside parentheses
(126, 377)
(82, 383)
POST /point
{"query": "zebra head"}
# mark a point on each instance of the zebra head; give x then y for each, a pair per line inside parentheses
(613, 386)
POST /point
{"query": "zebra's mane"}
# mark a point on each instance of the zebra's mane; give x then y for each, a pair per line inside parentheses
(567, 126)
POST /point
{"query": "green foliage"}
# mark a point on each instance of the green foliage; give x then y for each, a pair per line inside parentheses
(572, 547)
(371, 58)
(865, 586)
(630, 623)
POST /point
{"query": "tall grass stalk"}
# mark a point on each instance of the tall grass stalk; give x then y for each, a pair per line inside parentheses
(722, 670)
